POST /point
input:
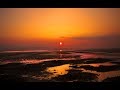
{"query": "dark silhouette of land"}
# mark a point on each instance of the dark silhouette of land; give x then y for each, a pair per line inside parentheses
(13, 69)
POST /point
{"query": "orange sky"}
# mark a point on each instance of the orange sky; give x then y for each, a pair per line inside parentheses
(20, 27)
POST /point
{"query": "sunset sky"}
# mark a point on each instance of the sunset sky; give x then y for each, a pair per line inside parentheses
(44, 28)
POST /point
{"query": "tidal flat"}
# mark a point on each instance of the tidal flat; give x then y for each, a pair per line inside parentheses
(60, 66)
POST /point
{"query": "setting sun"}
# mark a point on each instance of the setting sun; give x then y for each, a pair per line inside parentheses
(44, 28)
(60, 43)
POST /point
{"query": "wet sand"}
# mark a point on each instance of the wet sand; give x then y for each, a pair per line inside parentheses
(59, 66)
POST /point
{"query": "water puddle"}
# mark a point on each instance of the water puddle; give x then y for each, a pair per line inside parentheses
(98, 64)
(29, 61)
(64, 69)
(103, 75)
(53, 72)
(58, 70)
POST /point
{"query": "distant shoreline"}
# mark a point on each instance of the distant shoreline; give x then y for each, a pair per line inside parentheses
(85, 50)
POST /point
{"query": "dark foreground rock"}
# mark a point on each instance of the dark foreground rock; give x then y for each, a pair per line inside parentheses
(76, 76)
(101, 68)
(113, 79)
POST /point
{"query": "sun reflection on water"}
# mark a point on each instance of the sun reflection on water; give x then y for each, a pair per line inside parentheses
(58, 70)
